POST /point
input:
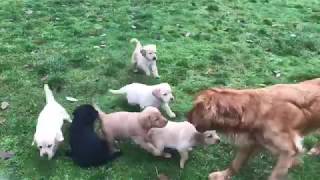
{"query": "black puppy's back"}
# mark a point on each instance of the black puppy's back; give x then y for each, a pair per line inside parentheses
(87, 149)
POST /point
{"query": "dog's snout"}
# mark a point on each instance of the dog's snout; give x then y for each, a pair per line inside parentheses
(172, 98)
(154, 58)
(218, 141)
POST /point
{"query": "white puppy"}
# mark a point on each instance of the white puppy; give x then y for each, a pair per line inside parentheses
(181, 136)
(143, 95)
(144, 58)
(48, 133)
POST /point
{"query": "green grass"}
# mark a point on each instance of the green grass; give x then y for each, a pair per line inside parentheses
(234, 43)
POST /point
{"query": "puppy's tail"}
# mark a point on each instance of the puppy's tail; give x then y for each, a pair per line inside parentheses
(135, 40)
(97, 108)
(119, 91)
(48, 92)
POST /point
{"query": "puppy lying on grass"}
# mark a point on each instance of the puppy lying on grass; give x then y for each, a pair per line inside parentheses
(144, 58)
(48, 133)
(181, 136)
(133, 125)
(143, 95)
(87, 149)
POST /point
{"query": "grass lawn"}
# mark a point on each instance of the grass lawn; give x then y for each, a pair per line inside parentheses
(81, 48)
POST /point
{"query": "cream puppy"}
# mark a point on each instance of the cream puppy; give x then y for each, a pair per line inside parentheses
(132, 125)
(181, 136)
(144, 58)
(143, 95)
(48, 133)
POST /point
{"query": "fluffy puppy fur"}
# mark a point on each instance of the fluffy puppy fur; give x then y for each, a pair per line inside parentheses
(159, 95)
(181, 136)
(144, 58)
(133, 125)
(275, 118)
(48, 133)
(87, 149)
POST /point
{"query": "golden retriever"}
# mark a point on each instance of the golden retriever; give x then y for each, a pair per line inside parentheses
(275, 118)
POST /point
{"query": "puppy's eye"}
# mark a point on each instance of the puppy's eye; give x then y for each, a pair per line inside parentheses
(40, 147)
(49, 146)
(210, 136)
(165, 94)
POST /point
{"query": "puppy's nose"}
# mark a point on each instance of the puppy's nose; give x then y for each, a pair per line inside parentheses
(218, 141)
(154, 58)
(172, 98)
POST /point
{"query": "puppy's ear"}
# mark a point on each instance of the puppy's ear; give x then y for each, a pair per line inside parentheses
(143, 52)
(59, 136)
(146, 122)
(157, 93)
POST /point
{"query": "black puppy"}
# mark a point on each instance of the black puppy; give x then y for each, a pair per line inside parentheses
(87, 149)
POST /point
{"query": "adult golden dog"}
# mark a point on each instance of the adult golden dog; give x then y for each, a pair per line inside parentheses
(275, 118)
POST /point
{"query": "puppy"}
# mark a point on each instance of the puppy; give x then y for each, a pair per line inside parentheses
(48, 133)
(133, 125)
(144, 58)
(275, 118)
(87, 149)
(181, 136)
(143, 95)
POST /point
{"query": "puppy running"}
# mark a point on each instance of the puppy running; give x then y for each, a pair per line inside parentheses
(48, 133)
(144, 58)
(181, 136)
(87, 149)
(143, 95)
(133, 125)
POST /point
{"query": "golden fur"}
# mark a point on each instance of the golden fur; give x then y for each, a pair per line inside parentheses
(275, 118)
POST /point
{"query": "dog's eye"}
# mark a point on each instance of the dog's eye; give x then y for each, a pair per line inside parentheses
(40, 147)
(165, 94)
(49, 146)
(210, 136)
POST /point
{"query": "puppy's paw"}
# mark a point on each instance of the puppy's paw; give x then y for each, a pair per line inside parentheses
(167, 155)
(172, 115)
(219, 175)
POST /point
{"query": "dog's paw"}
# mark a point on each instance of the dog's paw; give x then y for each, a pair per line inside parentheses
(219, 175)
(315, 151)
(172, 115)
(167, 155)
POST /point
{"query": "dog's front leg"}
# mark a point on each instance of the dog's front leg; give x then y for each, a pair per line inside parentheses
(241, 158)
(168, 110)
(282, 167)
(147, 71)
(184, 156)
(154, 70)
(147, 146)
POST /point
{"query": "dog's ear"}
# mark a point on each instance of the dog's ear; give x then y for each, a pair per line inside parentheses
(59, 136)
(228, 111)
(143, 52)
(146, 122)
(157, 93)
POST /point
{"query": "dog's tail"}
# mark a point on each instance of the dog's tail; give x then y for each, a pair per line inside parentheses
(135, 40)
(48, 92)
(97, 108)
(119, 91)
